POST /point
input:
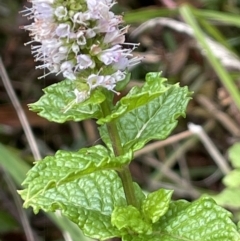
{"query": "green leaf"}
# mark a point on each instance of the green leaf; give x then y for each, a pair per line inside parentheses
(234, 154)
(82, 185)
(144, 14)
(201, 220)
(128, 219)
(229, 197)
(67, 166)
(147, 113)
(156, 204)
(138, 96)
(58, 104)
(232, 179)
(223, 17)
(10, 158)
(88, 202)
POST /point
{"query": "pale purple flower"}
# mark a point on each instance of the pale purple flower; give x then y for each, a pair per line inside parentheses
(84, 61)
(80, 95)
(94, 80)
(81, 40)
(84, 46)
(75, 48)
(111, 55)
(115, 37)
(108, 81)
(69, 74)
(63, 30)
(61, 12)
(90, 33)
(81, 18)
(119, 75)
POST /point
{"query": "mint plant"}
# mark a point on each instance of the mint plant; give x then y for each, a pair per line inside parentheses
(83, 40)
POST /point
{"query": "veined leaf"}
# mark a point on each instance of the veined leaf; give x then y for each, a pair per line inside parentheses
(201, 220)
(10, 158)
(156, 204)
(58, 104)
(147, 113)
(138, 96)
(88, 202)
(129, 219)
(83, 185)
(67, 166)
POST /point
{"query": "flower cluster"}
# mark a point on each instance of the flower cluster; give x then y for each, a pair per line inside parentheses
(82, 40)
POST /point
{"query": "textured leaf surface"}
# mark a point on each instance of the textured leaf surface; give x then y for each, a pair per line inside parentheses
(66, 166)
(128, 219)
(82, 185)
(201, 220)
(88, 202)
(154, 86)
(156, 204)
(58, 104)
(148, 113)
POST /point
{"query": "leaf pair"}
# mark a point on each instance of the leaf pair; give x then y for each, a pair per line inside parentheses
(145, 113)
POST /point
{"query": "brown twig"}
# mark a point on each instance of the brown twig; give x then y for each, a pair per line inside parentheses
(168, 141)
(20, 112)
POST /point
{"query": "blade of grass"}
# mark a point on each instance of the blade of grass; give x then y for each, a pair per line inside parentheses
(20, 112)
(18, 203)
(225, 18)
(17, 169)
(215, 33)
(223, 75)
(144, 14)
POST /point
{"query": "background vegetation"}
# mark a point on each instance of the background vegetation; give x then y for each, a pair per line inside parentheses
(196, 43)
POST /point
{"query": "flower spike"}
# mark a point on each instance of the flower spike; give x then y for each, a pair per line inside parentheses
(78, 40)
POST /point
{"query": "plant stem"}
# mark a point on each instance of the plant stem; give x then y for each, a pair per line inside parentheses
(128, 187)
(124, 173)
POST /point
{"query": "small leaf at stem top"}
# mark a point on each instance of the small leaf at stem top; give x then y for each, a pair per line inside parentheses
(129, 220)
(156, 204)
